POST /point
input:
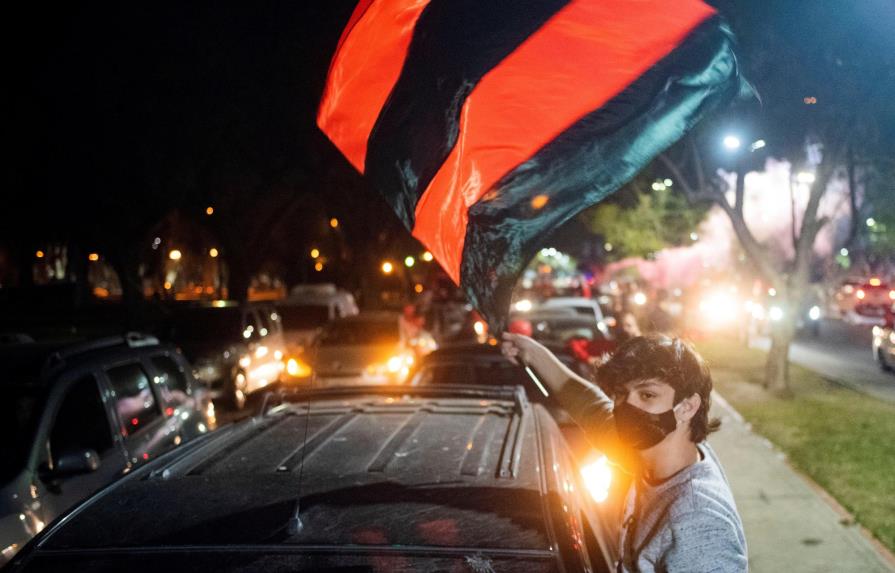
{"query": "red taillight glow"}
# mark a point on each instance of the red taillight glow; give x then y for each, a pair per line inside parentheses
(134, 421)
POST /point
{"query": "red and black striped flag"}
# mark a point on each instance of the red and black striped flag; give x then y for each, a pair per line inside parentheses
(486, 124)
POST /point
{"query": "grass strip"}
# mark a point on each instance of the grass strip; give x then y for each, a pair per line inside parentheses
(842, 439)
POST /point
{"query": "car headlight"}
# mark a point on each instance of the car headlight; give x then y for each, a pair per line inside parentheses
(597, 477)
(297, 368)
(775, 313)
(397, 366)
(207, 371)
(719, 308)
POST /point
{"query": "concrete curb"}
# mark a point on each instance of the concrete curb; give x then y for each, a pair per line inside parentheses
(846, 518)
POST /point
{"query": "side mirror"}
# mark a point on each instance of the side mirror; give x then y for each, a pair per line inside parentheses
(71, 464)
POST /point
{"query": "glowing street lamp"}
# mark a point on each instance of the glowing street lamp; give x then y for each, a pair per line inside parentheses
(805, 177)
(209, 210)
(732, 142)
(93, 257)
(39, 254)
(409, 262)
(334, 223)
(427, 256)
(387, 267)
(175, 255)
(315, 253)
(213, 253)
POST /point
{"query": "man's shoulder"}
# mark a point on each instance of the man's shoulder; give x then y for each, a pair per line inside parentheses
(705, 490)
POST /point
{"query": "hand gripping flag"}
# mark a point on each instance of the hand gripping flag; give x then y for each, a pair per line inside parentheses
(486, 124)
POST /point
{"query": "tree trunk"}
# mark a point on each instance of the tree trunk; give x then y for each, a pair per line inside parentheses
(777, 365)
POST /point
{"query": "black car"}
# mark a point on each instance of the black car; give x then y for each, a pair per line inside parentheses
(75, 417)
(236, 349)
(485, 365)
(349, 479)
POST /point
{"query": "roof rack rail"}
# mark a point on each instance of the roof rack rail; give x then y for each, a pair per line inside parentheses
(130, 339)
(513, 394)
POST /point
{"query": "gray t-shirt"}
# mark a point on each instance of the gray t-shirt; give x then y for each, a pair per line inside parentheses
(688, 523)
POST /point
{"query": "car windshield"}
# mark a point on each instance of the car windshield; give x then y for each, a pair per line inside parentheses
(304, 316)
(361, 333)
(20, 412)
(207, 323)
(565, 330)
(490, 373)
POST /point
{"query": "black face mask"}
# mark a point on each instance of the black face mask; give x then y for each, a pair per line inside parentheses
(639, 429)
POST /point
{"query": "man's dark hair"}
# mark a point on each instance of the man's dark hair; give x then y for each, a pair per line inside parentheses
(671, 360)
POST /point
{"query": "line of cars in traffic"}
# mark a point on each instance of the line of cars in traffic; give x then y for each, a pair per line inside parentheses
(399, 417)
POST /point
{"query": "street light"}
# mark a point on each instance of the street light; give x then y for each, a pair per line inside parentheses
(871, 222)
(387, 267)
(409, 262)
(175, 255)
(805, 177)
(209, 210)
(334, 223)
(212, 252)
(93, 257)
(427, 256)
(732, 142)
(39, 254)
(315, 253)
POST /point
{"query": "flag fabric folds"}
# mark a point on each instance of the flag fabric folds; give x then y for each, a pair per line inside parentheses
(487, 124)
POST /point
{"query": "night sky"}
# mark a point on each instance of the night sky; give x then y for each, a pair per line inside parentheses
(121, 112)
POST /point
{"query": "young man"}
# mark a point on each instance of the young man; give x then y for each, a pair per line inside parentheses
(679, 514)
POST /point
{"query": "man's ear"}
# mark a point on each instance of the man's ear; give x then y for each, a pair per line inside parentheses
(688, 407)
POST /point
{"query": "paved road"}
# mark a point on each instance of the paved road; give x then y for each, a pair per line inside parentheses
(842, 354)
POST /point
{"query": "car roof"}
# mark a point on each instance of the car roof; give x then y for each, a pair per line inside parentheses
(24, 363)
(562, 300)
(36, 363)
(382, 466)
(370, 316)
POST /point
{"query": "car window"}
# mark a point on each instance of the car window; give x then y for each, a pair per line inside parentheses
(20, 411)
(304, 316)
(207, 324)
(262, 321)
(274, 318)
(361, 332)
(134, 401)
(173, 381)
(81, 423)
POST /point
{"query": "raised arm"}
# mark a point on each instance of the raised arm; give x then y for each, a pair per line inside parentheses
(589, 406)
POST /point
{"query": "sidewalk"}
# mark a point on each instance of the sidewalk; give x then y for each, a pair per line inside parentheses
(789, 526)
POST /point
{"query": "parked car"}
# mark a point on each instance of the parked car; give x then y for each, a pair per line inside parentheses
(76, 417)
(236, 349)
(578, 335)
(884, 341)
(369, 348)
(389, 479)
(864, 302)
(476, 364)
(583, 306)
(308, 309)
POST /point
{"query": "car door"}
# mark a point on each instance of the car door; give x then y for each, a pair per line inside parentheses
(188, 405)
(80, 421)
(146, 431)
